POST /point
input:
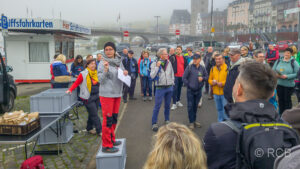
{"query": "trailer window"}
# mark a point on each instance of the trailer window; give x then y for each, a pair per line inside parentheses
(39, 52)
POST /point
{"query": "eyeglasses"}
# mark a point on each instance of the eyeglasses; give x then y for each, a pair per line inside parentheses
(109, 49)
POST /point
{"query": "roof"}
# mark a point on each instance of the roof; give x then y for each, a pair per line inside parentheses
(40, 25)
(180, 17)
(236, 2)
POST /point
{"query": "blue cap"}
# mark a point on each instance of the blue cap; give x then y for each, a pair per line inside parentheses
(196, 56)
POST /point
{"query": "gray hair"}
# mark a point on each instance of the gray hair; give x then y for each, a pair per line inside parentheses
(160, 51)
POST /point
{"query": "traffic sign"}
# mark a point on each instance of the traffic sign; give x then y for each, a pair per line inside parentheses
(212, 30)
(126, 33)
(290, 11)
(177, 32)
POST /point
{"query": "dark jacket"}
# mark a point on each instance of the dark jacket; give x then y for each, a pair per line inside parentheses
(76, 69)
(190, 77)
(233, 73)
(173, 61)
(126, 62)
(211, 64)
(207, 59)
(220, 140)
(60, 69)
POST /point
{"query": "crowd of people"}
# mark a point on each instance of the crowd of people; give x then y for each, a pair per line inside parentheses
(248, 87)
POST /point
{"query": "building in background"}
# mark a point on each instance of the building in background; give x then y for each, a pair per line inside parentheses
(181, 20)
(288, 23)
(238, 16)
(198, 7)
(219, 22)
(262, 18)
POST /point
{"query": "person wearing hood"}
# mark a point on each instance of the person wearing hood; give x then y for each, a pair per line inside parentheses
(111, 90)
(251, 105)
(89, 95)
(272, 55)
(233, 72)
(59, 70)
(286, 69)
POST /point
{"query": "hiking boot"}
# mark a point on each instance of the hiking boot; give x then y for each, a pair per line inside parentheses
(109, 150)
(144, 98)
(150, 98)
(192, 126)
(117, 143)
(197, 124)
(179, 104)
(155, 127)
(173, 107)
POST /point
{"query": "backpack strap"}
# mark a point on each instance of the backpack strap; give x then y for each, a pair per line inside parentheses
(293, 64)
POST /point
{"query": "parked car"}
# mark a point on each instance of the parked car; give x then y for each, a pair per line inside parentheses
(282, 45)
(8, 89)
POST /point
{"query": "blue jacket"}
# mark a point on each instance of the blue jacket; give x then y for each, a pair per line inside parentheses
(76, 69)
(190, 77)
(60, 69)
(126, 62)
(145, 67)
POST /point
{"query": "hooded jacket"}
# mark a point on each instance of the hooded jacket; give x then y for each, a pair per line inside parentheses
(110, 85)
(220, 140)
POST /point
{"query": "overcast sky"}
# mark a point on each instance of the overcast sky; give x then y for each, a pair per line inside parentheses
(98, 12)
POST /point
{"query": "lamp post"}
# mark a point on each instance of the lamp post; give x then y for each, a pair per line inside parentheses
(211, 21)
(157, 17)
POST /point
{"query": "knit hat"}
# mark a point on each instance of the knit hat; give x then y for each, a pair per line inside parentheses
(111, 45)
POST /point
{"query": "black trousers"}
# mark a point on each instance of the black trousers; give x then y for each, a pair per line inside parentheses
(284, 98)
(92, 106)
(129, 90)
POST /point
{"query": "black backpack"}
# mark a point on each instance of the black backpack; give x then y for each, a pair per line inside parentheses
(258, 144)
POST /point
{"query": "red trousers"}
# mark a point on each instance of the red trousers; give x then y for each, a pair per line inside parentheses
(110, 110)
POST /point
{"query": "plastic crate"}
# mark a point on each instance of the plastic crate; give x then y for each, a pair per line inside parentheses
(112, 160)
(49, 137)
(73, 96)
(51, 103)
(16, 130)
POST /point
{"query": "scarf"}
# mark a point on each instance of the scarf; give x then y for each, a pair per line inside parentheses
(114, 62)
(91, 75)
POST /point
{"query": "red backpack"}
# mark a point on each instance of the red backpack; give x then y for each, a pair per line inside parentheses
(35, 162)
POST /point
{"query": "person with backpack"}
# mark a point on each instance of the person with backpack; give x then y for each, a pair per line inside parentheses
(163, 75)
(254, 127)
(286, 69)
(194, 77)
(145, 74)
(272, 55)
(217, 79)
(131, 66)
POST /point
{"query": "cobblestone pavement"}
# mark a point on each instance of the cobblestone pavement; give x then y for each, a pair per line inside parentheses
(76, 154)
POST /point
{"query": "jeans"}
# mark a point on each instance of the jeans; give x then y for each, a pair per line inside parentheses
(160, 94)
(284, 98)
(193, 98)
(147, 83)
(177, 89)
(220, 103)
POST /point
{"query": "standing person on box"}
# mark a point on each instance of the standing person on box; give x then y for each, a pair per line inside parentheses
(89, 93)
(111, 89)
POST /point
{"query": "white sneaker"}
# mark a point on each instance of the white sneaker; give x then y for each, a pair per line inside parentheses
(173, 107)
(200, 103)
(179, 104)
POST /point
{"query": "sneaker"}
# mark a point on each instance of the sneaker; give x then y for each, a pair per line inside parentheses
(155, 127)
(109, 150)
(144, 98)
(150, 98)
(173, 107)
(179, 104)
(167, 122)
(192, 126)
(197, 124)
(93, 132)
(200, 103)
(117, 143)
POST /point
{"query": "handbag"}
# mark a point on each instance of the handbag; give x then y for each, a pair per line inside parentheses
(62, 79)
